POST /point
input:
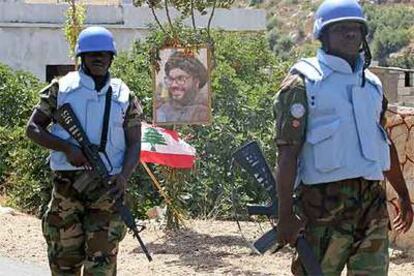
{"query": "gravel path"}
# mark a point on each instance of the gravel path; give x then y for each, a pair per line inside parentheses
(204, 248)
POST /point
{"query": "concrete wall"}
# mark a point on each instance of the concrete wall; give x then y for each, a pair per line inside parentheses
(393, 81)
(31, 35)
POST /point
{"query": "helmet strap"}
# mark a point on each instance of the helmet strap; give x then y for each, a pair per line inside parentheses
(367, 58)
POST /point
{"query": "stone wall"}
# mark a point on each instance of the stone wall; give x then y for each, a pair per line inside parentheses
(400, 124)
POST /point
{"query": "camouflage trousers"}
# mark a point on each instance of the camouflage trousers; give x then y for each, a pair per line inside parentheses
(347, 225)
(82, 231)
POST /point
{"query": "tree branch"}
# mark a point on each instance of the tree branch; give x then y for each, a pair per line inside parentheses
(167, 11)
(156, 18)
(211, 18)
(192, 15)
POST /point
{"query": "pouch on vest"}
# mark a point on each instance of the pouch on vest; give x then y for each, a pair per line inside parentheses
(322, 139)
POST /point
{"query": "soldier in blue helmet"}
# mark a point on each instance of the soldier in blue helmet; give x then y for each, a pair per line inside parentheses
(83, 229)
(333, 151)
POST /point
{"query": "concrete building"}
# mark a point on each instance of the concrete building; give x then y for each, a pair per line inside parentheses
(31, 36)
(398, 84)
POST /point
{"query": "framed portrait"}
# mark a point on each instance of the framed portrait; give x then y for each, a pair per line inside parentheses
(182, 87)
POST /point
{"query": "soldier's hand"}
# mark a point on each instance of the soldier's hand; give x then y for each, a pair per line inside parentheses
(119, 184)
(76, 157)
(289, 229)
(404, 219)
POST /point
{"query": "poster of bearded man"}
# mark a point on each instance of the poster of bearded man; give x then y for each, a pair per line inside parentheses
(182, 89)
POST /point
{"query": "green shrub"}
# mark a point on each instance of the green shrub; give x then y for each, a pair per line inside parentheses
(27, 177)
(245, 78)
(242, 98)
(388, 41)
(394, 17)
(389, 29)
(22, 165)
(18, 95)
(273, 23)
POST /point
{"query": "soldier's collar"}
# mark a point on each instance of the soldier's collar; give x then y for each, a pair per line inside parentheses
(338, 64)
(88, 82)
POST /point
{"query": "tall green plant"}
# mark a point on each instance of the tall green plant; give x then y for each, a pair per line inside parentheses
(75, 17)
(18, 95)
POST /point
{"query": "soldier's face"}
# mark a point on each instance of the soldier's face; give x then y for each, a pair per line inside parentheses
(98, 63)
(181, 85)
(345, 39)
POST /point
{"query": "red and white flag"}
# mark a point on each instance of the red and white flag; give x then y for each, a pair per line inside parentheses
(165, 147)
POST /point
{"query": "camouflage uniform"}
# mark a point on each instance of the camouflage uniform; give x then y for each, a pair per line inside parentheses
(82, 229)
(347, 220)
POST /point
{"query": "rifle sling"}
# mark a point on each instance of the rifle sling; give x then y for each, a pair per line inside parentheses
(104, 134)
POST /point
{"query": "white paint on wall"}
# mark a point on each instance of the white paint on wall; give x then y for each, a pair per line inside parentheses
(31, 35)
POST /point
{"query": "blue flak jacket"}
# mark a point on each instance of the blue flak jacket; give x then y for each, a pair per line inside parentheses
(344, 137)
(78, 89)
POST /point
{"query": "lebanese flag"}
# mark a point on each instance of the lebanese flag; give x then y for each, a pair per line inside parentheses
(165, 147)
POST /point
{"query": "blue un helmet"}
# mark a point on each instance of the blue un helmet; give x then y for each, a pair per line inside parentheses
(95, 39)
(331, 11)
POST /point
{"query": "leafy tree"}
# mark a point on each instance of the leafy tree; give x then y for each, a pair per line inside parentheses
(186, 7)
(405, 59)
(388, 41)
(18, 95)
(245, 78)
(389, 29)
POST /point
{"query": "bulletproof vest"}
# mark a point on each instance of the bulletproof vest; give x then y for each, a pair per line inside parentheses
(88, 104)
(344, 138)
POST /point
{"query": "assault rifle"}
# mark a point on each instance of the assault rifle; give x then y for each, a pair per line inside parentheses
(251, 159)
(68, 120)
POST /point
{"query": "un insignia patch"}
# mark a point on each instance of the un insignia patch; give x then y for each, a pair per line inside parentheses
(297, 110)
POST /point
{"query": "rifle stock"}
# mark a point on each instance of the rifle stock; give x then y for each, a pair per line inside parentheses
(251, 159)
(67, 119)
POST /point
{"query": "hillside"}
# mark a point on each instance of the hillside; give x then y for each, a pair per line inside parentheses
(290, 22)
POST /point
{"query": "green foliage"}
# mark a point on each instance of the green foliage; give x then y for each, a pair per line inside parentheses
(25, 177)
(273, 23)
(22, 164)
(244, 80)
(389, 29)
(18, 95)
(185, 6)
(388, 41)
(255, 2)
(403, 60)
(392, 16)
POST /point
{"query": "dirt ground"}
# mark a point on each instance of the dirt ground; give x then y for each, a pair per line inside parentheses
(204, 248)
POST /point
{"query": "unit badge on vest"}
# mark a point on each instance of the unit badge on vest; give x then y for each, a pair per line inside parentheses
(297, 110)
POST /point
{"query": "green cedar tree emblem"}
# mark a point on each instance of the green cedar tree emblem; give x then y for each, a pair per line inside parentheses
(153, 137)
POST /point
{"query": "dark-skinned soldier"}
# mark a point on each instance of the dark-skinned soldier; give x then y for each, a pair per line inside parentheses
(333, 151)
(83, 229)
